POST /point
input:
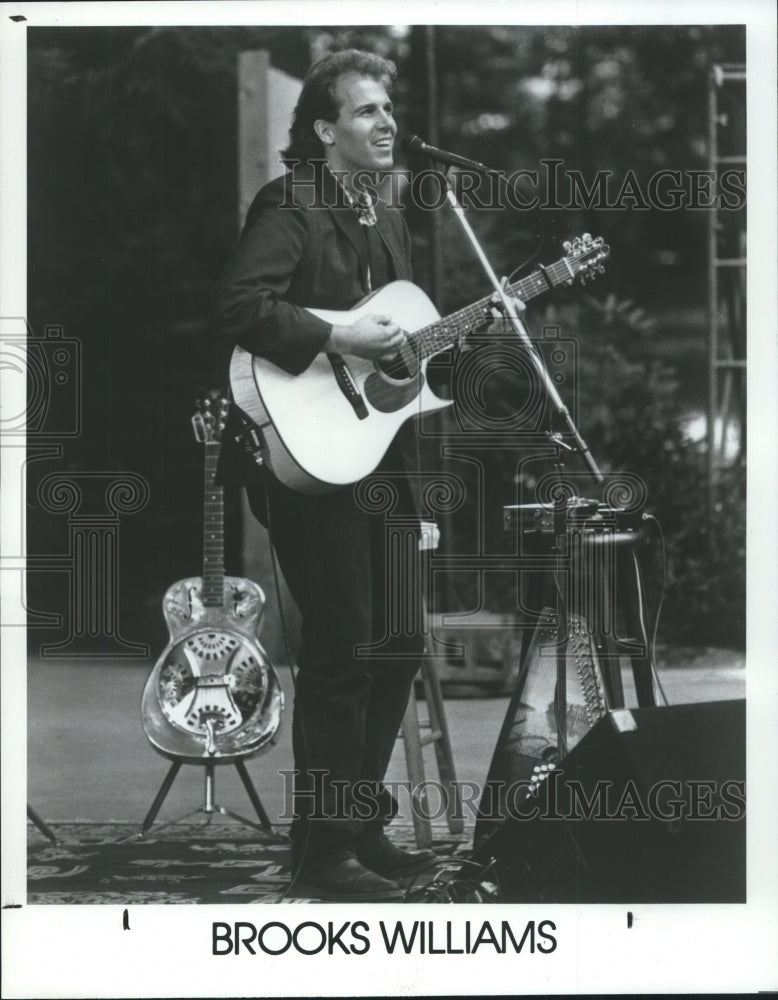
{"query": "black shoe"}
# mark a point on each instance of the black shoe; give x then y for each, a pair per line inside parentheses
(379, 854)
(344, 879)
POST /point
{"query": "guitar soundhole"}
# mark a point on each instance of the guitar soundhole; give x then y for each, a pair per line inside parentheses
(403, 367)
(248, 686)
(211, 645)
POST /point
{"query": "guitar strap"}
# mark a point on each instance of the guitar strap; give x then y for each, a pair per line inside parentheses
(399, 270)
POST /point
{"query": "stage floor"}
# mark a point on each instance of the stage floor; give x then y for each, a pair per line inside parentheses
(92, 775)
(89, 759)
(221, 862)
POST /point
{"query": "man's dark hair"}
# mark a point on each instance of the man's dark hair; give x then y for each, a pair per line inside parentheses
(317, 98)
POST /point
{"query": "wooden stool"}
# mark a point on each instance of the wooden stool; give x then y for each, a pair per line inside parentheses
(414, 741)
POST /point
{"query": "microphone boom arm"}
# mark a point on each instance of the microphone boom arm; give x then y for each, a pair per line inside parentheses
(414, 144)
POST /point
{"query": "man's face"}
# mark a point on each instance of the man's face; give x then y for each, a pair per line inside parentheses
(362, 138)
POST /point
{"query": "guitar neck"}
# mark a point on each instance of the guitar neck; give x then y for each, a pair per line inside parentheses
(213, 531)
(444, 333)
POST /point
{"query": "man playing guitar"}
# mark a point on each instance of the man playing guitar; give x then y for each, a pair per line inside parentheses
(314, 244)
(306, 245)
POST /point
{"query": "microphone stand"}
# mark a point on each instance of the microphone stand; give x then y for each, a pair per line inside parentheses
(512, 314)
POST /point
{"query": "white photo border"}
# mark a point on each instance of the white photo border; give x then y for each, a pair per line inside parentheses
(82, 951)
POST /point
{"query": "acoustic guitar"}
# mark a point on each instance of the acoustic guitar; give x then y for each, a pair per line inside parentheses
(213, 694)
(332, 424)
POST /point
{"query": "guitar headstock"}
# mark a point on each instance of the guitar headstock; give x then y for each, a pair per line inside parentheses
(585, 254)
(211, 417)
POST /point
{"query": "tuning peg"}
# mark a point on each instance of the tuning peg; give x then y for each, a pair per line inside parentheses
(198, 427)
(567, 246)
(587, 239)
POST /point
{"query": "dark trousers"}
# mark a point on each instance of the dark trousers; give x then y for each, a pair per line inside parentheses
(355, 574)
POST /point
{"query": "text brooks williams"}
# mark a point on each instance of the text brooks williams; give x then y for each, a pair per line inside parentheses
(400, 937)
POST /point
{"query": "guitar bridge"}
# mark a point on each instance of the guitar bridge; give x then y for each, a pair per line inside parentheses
(348, 385)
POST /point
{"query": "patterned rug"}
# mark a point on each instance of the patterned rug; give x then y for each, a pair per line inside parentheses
(221, 862)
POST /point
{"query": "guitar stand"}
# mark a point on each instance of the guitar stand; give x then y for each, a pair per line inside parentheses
(44, 828)
(210, 807)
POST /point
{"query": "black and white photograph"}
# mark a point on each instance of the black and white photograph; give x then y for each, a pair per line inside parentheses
(388, 437)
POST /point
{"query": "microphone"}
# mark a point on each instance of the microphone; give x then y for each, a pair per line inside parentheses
(413, 144)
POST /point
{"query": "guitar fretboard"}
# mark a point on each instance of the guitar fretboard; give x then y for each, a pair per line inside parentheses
(445, 332)
(213, 531)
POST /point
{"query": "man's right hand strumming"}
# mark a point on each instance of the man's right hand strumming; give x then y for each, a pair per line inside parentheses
(375, 337)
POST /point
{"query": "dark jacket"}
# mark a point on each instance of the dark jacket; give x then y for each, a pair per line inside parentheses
(301, 246)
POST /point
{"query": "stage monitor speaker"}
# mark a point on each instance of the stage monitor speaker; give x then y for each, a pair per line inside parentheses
(649, 807)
